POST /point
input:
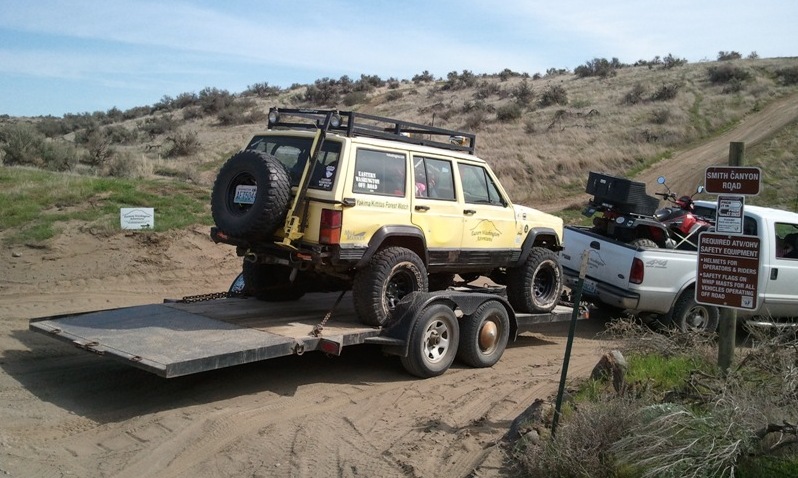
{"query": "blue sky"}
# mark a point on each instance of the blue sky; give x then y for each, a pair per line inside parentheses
(75, 56)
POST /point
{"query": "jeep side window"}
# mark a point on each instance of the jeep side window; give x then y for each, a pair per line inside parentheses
(478, 187)
(433, 178)
(380, 172)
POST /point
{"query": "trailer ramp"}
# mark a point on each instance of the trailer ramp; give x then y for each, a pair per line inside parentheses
(176, 339)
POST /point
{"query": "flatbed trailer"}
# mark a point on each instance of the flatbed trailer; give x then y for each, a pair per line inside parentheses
(183, 337)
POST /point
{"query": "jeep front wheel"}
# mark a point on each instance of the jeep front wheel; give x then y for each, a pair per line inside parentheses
(391, 274)
(535, 286)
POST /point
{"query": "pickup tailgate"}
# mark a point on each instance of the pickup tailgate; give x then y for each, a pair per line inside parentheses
(174, 339)
(609, 262)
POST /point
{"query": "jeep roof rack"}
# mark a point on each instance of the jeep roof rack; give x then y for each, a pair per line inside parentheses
(361, 124)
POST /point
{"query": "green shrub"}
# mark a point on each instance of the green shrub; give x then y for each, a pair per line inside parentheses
(666, 92)
(262, 90)
(423, 77)
(523, 94)
(598, 67)
(635, 95)
(59, 155)
(182, 144)
(157, 125)
(788, 76)
(510, 112)
(553, 95)
(474, 120)
(355, 98)
(214, 100)
(728, 55)
(660, 116)
(393, 95)
(726, 73)
(22, 145)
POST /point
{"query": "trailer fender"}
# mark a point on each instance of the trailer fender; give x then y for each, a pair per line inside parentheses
(408, 310)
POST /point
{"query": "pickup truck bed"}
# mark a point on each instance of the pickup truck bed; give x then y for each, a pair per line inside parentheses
(174, 338)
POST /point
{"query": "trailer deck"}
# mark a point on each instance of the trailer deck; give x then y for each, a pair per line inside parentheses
(173, 339)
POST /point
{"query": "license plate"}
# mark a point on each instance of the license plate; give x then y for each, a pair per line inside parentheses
(245, 194)
(589, 287)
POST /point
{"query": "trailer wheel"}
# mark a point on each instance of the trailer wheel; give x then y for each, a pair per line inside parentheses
(536, 285)
(391, 274)
(257, 217)
(690, 316)
(271, 282)
(484, 335)
(433, 342)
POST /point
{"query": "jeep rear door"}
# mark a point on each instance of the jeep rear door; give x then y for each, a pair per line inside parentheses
(436, 209)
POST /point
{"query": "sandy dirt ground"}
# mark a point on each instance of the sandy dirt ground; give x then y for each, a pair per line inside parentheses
(66, 412)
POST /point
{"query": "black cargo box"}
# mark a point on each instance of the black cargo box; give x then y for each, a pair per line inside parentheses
(624, 194)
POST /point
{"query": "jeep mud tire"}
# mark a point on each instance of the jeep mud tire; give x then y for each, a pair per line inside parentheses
(391, 274)
(271, 282)
(535, 286)
(262, 218)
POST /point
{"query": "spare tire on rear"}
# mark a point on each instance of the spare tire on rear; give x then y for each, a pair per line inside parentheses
(251, 195)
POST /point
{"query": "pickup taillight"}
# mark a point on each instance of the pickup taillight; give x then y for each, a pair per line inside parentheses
(637, 271)
(330, 227)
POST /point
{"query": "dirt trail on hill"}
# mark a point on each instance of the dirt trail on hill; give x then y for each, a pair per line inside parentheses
(67, 412)
(686, 169)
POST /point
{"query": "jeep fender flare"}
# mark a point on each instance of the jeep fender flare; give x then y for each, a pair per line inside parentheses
(410, 237)
(532, 237)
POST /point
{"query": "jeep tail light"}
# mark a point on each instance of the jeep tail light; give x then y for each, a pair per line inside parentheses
(637, 271)
(330, 230)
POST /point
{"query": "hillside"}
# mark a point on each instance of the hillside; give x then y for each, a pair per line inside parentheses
(541, 133)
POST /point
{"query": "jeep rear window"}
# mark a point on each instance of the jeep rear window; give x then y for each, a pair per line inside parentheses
(380, 172)
(293, 153)
(478, 187)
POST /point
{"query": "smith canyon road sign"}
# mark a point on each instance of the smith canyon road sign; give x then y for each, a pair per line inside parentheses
(732, 180)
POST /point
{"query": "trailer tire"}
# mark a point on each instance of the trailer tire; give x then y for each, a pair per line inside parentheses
(536, 285)
(433, 342)
(260, 219)
(270, 282)
(390, 274)
(690, 316)
(484, 335)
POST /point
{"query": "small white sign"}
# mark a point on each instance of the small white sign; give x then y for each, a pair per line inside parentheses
(137, 217)
(729, 217)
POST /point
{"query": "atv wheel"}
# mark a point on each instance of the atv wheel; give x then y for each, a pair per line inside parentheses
(391, 274)
(271, 282)
(644, 242)
(536, 285)
(256, 215)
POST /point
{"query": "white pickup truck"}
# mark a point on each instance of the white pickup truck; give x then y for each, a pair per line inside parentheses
(660, 283)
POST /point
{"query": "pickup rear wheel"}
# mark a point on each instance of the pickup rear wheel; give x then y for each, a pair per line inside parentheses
(690, 316)
(433, 342)
(391, 274)
(271, 282)
(484, 335)
(536, 285)
(254, 214)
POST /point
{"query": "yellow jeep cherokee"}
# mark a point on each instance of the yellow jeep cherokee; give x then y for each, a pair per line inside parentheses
(329, 200)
